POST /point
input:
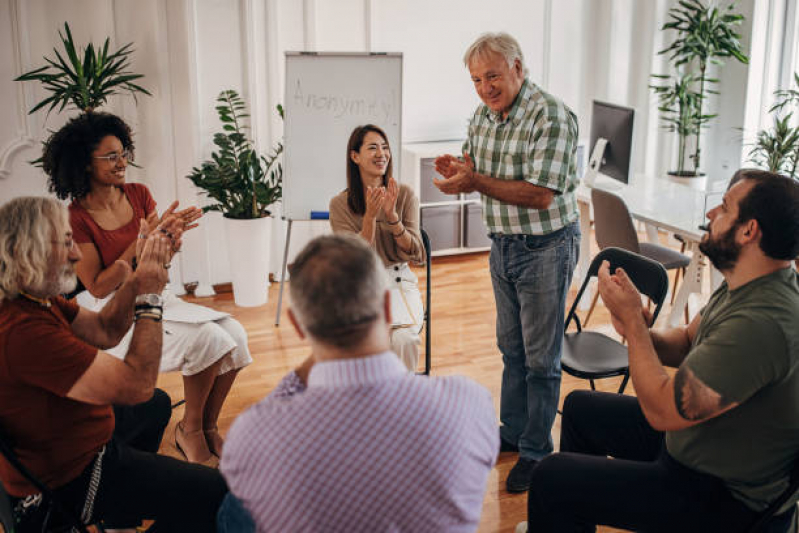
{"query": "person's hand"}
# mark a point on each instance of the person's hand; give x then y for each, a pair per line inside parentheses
(169, 225)
(621, 298)
(444, 165)
(151, 275)
(187, 217)
(459, 176)
(390, 202)
(374, 197)
(619, 327)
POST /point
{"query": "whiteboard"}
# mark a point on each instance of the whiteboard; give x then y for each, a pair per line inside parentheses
(327, 96)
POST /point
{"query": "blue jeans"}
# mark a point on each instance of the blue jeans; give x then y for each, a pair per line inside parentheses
(233, 517)
(531, 275)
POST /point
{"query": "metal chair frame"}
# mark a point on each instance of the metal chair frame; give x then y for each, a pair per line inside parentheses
(428, 293)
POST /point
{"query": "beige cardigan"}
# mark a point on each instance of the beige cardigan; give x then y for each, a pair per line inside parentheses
(342, 220)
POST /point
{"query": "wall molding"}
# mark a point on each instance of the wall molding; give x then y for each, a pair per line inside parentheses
(21, 55)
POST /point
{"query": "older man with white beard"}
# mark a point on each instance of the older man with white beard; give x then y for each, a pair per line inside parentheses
(57, 388)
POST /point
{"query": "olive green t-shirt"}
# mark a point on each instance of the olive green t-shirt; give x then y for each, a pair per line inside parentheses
(747, 350)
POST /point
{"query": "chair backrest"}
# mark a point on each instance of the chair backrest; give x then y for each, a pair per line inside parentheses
(649, 277)
(613, 224)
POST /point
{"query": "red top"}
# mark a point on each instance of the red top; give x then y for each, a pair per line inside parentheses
(40, 360)
(111, 243)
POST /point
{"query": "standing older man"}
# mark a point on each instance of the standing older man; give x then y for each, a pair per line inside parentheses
(520, 155)
(56, 387)
(710, 447)
(350, 441)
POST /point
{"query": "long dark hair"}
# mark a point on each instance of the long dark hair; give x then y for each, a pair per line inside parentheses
(67, 155)
(355, 196)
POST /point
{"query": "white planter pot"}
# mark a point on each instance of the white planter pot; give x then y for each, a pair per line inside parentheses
(248, 251)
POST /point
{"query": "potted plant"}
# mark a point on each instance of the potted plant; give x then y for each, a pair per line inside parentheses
(244, 185)
(705, 35)
(84, 78)
(777, 148)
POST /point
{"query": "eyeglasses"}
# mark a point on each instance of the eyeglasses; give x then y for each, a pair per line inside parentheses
(114, 157)
(69, 243)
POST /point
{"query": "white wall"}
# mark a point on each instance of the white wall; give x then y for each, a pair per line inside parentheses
(189, 50)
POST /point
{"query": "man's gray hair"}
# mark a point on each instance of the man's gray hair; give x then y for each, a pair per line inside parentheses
(337, 289)
(27, 226)
(498, 43)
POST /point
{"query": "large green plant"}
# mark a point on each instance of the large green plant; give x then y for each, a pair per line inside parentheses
(678, 104)
(243, 183)
(84, 78)
(705, 35)
(777, 148)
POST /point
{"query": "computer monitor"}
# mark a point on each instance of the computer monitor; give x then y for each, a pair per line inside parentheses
(611, 142)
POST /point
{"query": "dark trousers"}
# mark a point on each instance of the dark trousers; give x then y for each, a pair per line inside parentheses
(137, 484)
(641, 488)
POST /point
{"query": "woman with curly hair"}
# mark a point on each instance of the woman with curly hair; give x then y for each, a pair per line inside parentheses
(86, 162)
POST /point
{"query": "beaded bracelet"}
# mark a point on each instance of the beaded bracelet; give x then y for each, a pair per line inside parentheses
(393, 223)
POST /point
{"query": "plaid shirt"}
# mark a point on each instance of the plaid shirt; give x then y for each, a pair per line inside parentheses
(536, 143)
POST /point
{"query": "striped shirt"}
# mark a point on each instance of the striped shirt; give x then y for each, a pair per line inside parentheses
(536, 142)
(365, 447)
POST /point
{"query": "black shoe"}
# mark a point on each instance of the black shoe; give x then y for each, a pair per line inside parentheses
(520, 475)
(505, 446)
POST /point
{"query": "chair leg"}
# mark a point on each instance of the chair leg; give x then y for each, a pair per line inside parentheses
(624, 382)
(591, 309)
(592, 384)
(676, 281)
(687, 318)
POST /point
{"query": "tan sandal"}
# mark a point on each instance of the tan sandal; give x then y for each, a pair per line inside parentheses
(209, 433)
(211, 462)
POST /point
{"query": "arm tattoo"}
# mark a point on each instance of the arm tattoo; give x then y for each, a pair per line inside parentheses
(695, 400)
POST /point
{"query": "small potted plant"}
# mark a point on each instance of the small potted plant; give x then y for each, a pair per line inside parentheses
(777, 148)
(705, 35)
(244, 186)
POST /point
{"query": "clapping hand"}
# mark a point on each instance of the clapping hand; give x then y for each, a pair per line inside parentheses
(187, 217)
(375, 198)
(459, 176)
(621, 298)
(170, 227)
(151, 275)
(390, 202)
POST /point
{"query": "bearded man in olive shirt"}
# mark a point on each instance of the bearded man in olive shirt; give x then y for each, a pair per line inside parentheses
(710, 447)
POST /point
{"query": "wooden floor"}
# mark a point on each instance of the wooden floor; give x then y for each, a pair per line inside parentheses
(463, 319)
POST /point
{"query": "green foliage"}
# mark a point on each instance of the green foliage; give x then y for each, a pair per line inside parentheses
(705, 35)
(87, 78)
(243, 183)
(777, 149)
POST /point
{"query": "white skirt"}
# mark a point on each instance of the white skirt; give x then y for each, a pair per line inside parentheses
(405, 340)
(195, 337)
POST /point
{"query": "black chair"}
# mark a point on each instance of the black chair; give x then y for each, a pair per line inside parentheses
(427, 339)
(592, 355)
(6, 513)
(69, 521)
(763, 522)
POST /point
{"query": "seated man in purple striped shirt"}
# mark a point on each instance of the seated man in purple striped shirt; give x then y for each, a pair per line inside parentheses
(349, 441)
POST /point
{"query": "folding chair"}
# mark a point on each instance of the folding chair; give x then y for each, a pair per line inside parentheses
(72, 522)
(592, 355)
(428, 292)
(761, 525)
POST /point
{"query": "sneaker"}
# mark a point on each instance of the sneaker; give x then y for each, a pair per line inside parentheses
(520, 475)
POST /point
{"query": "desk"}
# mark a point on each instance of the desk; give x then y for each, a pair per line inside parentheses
(659, 203)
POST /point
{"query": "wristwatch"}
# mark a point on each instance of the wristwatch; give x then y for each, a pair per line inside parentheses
(150, 300)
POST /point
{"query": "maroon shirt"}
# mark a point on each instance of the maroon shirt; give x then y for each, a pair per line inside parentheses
(40, 360)
(111, 243)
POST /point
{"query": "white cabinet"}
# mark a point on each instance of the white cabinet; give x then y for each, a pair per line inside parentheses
(454, 223)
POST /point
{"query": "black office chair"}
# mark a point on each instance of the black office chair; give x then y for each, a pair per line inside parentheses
(69, 521)
(762, 524)
(592, 355)
(428, 292)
